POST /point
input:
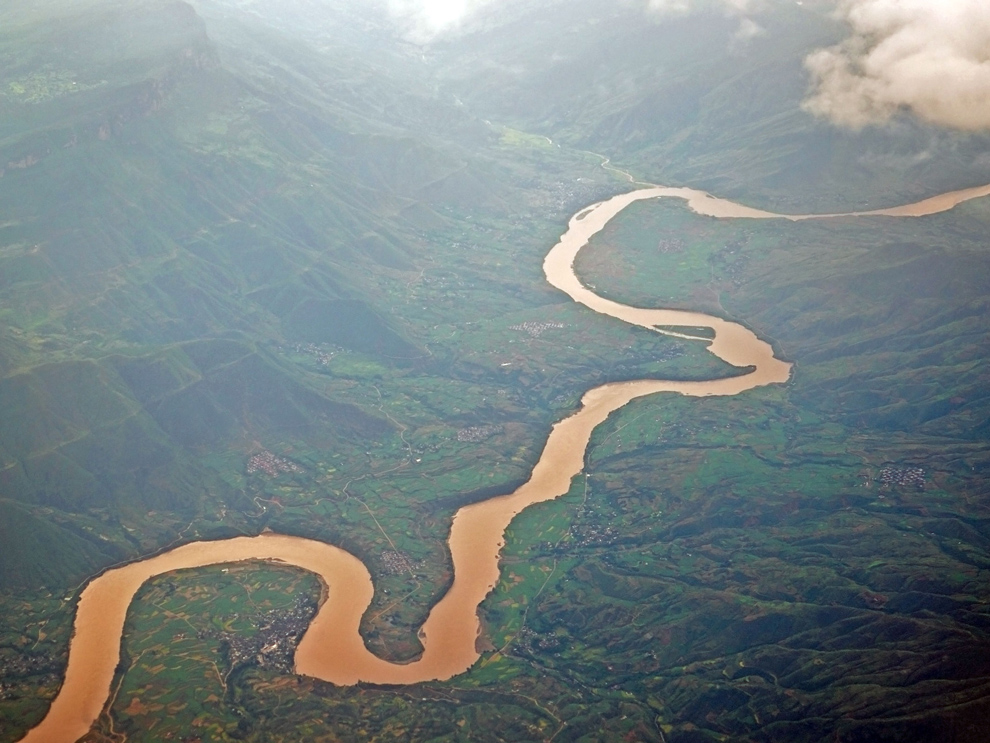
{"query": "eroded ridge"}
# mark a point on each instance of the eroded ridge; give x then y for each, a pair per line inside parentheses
(332, 648)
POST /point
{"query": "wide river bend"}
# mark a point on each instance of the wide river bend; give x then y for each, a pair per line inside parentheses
(332, 648)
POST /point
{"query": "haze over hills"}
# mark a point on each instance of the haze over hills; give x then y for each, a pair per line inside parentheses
(161, 218)
(278, 266)
(702, 98)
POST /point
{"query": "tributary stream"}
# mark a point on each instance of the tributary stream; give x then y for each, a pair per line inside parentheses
(332, 648)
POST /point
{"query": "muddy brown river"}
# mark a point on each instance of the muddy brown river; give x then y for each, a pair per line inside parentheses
(332, 648)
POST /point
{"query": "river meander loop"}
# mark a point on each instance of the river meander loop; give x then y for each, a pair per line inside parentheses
(332, 648)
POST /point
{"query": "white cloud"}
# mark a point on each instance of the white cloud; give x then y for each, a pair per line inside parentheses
(683, 7)
(668, 7)
(748, 29)
(931, 57)
(741, 9)
(425, 19)
(740, 6)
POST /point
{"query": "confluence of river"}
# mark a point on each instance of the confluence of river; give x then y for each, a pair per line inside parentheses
(332, 648)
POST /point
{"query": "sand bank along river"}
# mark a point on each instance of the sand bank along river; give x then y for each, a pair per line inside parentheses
(332, 648)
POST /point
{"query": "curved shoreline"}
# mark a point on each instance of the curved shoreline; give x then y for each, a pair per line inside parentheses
(332, 648)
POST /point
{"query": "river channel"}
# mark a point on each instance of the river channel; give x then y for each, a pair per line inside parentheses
(332, 648)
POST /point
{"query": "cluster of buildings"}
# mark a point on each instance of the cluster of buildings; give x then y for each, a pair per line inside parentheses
(478, 433)
(593, 535)
(565, 197)
(396, 563)
(582, 535)
(903, 476)
(270, 464)
(274, 644)
(14, 671)
(536, 329)
(322, 353)
(731, 269)
(531, 640)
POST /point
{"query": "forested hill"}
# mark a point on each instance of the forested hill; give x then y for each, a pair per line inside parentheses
(172, 202)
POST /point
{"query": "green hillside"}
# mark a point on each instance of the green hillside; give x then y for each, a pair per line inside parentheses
(163, 215)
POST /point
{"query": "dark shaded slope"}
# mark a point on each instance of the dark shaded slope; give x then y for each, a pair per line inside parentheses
(38, 552)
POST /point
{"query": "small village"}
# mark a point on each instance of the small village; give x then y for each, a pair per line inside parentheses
(475, 434)
(536, 329)
(274, 644)
(581, 535)
(394, 562)
(529, 640)
(671, 245)
(271, 465)
(731, 262)
(902, 476)
(15, 670)
(593, 535)
(321, 353)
